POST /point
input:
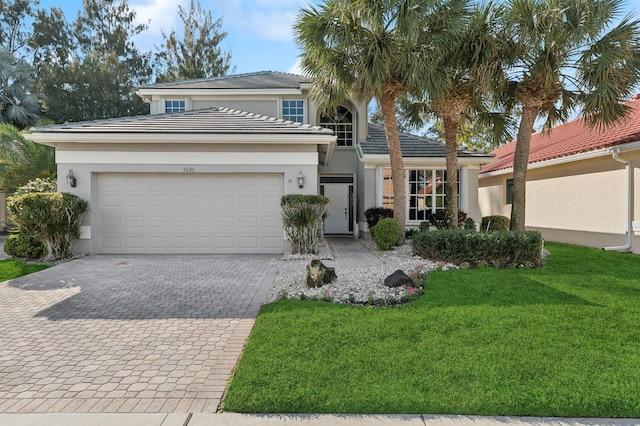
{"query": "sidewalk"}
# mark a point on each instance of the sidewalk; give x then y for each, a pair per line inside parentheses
(233, 419)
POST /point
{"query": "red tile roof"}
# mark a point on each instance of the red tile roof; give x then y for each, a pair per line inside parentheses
(572, 138)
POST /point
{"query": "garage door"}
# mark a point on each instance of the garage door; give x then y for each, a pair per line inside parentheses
(189, 213)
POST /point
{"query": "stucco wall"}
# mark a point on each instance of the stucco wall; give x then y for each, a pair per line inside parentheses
(582, 202)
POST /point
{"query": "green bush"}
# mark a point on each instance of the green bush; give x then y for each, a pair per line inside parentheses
(302, 217)
(469, 224)
(37, 185)
(495, 223)
(52, 218)
(374, 214)
(500, 249)
(424, 226)
(387, 232)
(22, 245)
(441, 219)
(410, 232)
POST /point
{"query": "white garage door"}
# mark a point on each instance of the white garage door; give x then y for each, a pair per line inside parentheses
(189, 213)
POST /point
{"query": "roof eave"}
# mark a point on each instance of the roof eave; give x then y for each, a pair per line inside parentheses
(149, 93)
(53, 138)
(375, 160)
(632, 146)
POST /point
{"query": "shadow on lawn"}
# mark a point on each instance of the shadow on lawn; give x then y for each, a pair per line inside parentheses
(463, 288)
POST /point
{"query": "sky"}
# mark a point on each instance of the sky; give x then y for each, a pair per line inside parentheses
(258, 31)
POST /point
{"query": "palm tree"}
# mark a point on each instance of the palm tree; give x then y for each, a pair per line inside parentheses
(473, 68)
(381, 49)
(18, 106)
(22, 160)
(567, 54)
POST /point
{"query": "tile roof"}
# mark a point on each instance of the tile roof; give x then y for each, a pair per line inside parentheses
(255, 80)
(574, 137)
(204, 121)
(412, 146)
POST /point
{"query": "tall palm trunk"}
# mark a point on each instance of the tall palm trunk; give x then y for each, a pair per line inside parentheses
(520, 164)
(388, 107)
(451, 125)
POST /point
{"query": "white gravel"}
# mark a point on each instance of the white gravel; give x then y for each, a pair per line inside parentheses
(356, 284)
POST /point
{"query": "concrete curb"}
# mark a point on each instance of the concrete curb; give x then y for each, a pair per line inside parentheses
(236, 419)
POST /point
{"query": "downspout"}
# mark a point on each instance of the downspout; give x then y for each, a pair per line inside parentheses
(629, 190)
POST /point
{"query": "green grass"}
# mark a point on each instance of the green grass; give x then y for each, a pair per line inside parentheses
(10, 269)
(563, 340)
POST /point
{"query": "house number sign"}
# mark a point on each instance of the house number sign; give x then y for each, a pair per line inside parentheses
(188, 170)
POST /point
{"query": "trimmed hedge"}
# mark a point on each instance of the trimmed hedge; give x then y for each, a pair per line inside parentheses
(495, 223)
(499, 249)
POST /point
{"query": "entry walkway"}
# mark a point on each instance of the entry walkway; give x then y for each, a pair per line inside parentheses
(349, 252)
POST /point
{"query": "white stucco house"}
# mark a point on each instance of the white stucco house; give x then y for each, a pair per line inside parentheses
(204, 172)
(581, 183)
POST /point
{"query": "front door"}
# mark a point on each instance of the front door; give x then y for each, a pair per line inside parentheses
(337, 221)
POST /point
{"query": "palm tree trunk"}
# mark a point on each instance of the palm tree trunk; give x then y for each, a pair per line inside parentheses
(520, 164)
(451, 189)
(388, 107)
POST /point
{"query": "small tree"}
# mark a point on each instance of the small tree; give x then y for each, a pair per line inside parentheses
(53, 218)
(302, 217)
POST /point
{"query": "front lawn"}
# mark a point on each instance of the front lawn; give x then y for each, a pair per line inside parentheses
(10, 269)
(563, 340)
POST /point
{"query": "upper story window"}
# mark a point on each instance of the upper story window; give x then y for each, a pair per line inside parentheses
(341, 122)
(293, 110)
(174, 105)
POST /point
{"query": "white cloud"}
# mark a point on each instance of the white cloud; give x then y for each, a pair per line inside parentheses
(161, 15)
(269, 20)
(296, 68)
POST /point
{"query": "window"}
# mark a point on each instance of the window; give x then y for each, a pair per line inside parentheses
(174, 106)
(341, 122)
(293, 110)
(426, 189)
(509, 191)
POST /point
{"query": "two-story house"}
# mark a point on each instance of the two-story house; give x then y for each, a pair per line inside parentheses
(204, 172)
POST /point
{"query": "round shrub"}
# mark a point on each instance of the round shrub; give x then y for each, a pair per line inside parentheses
(495, 223)
(22, 245)
(386, 234)
(469, 224)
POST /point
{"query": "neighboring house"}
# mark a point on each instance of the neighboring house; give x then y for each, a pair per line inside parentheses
(205, 171)
(580, 183)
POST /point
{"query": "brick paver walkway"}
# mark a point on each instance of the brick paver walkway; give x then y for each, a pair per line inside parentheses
(128, 334)
(348, 252)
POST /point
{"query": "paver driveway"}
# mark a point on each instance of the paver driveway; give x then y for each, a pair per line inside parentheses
(128, 333)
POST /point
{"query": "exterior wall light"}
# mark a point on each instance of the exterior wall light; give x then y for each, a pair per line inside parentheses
(300, 180)
(71, 179)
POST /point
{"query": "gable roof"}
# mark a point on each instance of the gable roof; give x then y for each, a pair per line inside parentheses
(574, 137)
(216, 120)
(412, 146)
(252, 81)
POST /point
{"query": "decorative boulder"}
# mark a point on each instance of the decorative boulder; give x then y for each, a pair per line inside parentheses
(319, 274)
(398, 279)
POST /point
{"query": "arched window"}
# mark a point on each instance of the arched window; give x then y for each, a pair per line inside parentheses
(341, 122)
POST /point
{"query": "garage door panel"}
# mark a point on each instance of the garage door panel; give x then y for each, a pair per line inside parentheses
(199, 213)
